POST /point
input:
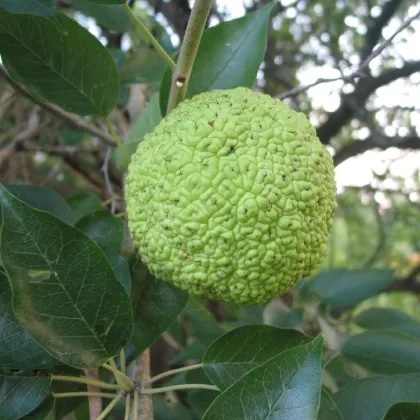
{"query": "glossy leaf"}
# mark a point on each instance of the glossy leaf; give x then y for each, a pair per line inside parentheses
(229, 56)
(385, 352)
(110, 15)
(156, 305)
(120, 266)
(104, 229)
(237, 352)
(328, 409)
(83, 204)
(342, 287)
(19, 395)
(17, 349)
(145, 124)
(286, 386)
(65, 293)
(371, 398)
(66, 65)
(44, 8)
(43, 199)
(404, 411)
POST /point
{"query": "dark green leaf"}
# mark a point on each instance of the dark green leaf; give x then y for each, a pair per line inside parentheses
(237, 352)
(105, 2)
(229, 56)
(44, 412)
(67, 66)
(72, 137)
(45, 8)
(112, 16)
(194, 351)
(170, 411)
(277, 314)
(83, 204)
(328, 410)
(64, 406)
(156, 305)
(286, 386)
(145, 124)
(43, 199)
(404, 411)
(379, 318)
(344, 287)
(200, 400)
(120, 266)
(385, 352)
(17, 349)
(203, 324)
(371, 398)
(20, 395)
(65, 293)
(104, 229)
(143, 65)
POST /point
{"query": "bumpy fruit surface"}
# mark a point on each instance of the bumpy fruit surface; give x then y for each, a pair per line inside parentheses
(231, 197)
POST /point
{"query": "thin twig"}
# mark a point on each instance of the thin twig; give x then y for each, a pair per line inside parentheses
(95, 402)
(109, 407)
(143, 29)
(83, 394)
(127, 407)
(108, 183)
(163, 389)
(172, 372)
(189, 48)
(73, 119)
(84, 380)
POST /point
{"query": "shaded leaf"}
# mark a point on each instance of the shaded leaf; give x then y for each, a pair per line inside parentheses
(104, 229)
(156, 305)
(342, 287)
(382, 391)
(105, 2)
(277, 314)
(286, 386)
(44, 412)
(172, 411)
(385, 352)
(327, 409)
(194, 351)
(44, 8)
(17, 349)
(67, 66)
(43, 199)
(120, 266)
(108, 14)
(237, 352)
(404, 411)
(229, 56)
(145, 124)
(83, 204)
(19, 395)
(74, 307)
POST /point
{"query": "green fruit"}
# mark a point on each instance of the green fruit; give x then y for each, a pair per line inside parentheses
(231, 197)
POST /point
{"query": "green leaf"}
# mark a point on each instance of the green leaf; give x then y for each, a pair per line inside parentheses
(173, 411)
(120, 266)
(328, 410)
(371, 398)
(105, 2)
(156, 305)
(379, 318)
(286, 386)
(145, 124)
(277, 314)
(404, 411)
(83, 204)
(104, 229)
(385, 352)
(229, 56)
(44, 412)
(203, 325)
(17, 349)
(44, 8)
(43, 199)
(237, 352)
(194, 351)
(111, 16)
(67, 65)
(19, 395)
(342, 287)
(77, 309)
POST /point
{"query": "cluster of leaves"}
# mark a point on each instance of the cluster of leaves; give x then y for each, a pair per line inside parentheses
(71, 298)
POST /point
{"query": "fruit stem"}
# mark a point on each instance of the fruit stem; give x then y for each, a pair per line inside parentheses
(178, 387)
(109, 407)
(127, 407)
(189, 48)
(143, 29)
(82, 394)
(172, 372)
(84, 380)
